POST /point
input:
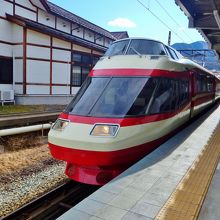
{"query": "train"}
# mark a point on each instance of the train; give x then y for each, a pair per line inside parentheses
(136, 96)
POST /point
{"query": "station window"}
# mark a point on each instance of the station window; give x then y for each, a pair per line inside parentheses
(6, 70)
(82, 64)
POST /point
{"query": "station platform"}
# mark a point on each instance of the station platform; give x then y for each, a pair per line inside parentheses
(170, 183)
(24, 119)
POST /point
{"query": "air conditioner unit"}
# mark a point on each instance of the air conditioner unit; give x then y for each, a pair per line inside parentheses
(7, 95)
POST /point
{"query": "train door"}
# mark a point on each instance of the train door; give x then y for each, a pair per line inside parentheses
(192, 91)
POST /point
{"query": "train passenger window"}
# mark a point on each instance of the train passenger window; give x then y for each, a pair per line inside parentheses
(146, 47)
(210, 84)
(183, 92)
(165, 97)
(173, 53)
(168, 52)
(117, 48)
(170, 95)
(201, 83)
(143, 100)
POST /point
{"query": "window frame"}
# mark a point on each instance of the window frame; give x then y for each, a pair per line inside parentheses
(78, 81)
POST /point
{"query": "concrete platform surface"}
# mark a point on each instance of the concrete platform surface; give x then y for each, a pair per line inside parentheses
(143, 189)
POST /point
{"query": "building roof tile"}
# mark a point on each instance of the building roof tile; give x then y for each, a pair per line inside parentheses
(78, 20)
(56, 33)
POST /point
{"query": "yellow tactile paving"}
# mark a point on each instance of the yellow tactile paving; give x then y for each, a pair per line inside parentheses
(186, 201)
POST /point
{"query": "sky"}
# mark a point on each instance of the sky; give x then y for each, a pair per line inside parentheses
(134, 17)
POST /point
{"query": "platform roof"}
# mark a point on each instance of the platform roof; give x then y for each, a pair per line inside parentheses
(204, 16)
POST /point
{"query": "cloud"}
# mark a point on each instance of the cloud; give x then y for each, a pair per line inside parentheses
(122, 23)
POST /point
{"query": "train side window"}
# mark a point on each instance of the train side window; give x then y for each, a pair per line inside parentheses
(210, 84)
(175, 57)
(201, 83)
(171, 53)
(168, 52)
(164, 98)
(141, 103)
(198, 83)
(183, 92)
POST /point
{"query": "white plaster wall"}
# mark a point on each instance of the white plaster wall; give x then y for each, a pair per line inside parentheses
(34, 89)
(5, 30)
(5, 50)
(42, 18)
(61, 73)
(75, 90)
(6, 7)
(25, 13)
(63, 25)
(77, 31)
(100, 41)
(38, 52)
(6, 86)
(18, 89)
(26, 3)
(17, 33)
(97, 53)
(18, 70)
(17, 51)
(38, 71)
(61, 43)
(60, 90)
(37, 38)
(61, 55)
(83, 49)
(89, 36)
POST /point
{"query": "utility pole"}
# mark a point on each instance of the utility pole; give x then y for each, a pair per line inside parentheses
(169, 38)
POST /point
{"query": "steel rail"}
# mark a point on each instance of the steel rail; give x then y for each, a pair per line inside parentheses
(54, 203)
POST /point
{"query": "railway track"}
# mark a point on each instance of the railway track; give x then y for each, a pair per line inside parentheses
(54, 203)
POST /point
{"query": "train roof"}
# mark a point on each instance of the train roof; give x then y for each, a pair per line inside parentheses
(138, 38)
(181, 59)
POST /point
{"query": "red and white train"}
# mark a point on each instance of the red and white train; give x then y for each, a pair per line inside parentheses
(136, 96)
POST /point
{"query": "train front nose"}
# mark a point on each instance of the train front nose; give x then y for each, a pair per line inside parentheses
(83, 143)
(86, 149)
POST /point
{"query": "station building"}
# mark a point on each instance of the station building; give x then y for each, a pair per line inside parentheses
(46, 52)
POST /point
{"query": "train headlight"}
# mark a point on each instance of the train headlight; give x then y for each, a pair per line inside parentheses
(105, 130)
(60, 124)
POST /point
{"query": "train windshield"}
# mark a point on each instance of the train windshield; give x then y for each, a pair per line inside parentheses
(136, 46)
(113, 97)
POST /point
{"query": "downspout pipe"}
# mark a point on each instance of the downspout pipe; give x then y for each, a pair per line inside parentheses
(20, 130)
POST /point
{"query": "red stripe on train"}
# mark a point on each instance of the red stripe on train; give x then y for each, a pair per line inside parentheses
(110, 158)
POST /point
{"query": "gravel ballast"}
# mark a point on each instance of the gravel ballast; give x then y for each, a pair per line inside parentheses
(26, 175)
